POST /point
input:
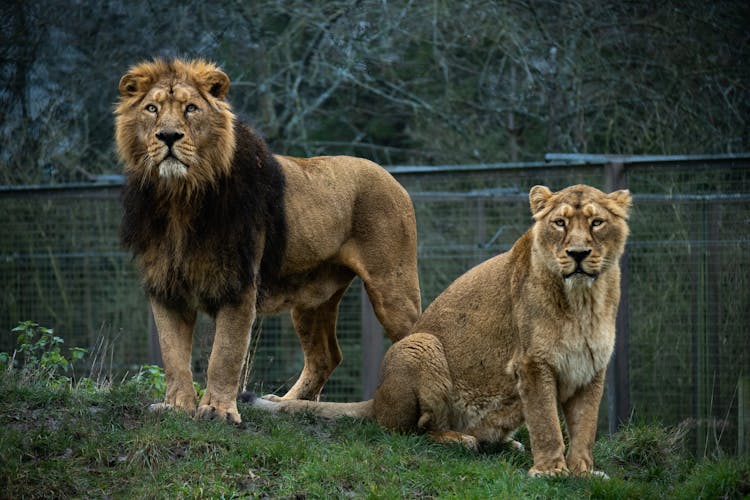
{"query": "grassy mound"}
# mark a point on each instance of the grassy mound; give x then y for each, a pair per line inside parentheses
(79, 440)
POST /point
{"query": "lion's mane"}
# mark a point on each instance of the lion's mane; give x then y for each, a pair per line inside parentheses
(234, 198)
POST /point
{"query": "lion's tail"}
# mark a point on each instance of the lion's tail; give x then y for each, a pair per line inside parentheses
(360, 409)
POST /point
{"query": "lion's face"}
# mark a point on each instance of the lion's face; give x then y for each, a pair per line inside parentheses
(173, 123)
(580, 232)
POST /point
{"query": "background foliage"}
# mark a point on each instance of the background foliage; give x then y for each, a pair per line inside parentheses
(399, 82)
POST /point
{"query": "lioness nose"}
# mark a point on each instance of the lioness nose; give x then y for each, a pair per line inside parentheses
(169, 137)
(578, 255)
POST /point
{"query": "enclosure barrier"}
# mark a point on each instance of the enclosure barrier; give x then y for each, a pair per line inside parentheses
(681, 356)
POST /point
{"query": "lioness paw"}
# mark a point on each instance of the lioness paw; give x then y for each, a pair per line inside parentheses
(470, 442)
(466, 440)
(584, 467)
(588, 472)
(550, 472)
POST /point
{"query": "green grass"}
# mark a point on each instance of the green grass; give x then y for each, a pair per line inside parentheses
(68, 442)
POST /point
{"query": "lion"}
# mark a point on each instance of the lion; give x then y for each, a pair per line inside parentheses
(511, 338)
(218, 224)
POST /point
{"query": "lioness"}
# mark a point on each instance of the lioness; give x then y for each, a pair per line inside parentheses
(217, 223)
(512, 338)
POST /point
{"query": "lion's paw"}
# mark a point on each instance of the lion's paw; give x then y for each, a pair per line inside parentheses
(273, 397)
(211, 412)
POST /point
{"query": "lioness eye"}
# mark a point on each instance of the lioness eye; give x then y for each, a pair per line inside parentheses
(191, 108)
(151, 108)
(559, 222)
(596, 222)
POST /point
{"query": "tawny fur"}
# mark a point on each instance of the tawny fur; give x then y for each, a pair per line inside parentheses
(219, 224)
(512, 338)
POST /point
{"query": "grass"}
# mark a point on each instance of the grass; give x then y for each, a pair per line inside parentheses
(64, 441)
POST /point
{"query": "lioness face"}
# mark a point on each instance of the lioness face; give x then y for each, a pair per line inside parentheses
(173, 122)
(580, 230)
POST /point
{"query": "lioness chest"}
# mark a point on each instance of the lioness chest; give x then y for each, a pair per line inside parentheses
(578, 344)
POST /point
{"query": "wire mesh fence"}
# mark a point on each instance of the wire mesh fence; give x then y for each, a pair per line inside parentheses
(684, 325)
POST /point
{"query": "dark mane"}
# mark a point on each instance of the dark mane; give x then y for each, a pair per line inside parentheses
(229, 217)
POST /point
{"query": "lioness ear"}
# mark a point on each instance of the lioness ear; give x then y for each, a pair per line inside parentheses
(622, 201)
(216, 83)
(538, 197)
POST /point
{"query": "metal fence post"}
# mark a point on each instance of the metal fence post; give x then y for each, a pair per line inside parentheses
(618, 371)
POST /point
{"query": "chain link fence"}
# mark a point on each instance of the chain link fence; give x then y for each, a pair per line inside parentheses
(682, 352)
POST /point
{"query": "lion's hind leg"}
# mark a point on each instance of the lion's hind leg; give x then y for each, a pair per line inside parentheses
(396, 302)
(387, 265)
(316, 330)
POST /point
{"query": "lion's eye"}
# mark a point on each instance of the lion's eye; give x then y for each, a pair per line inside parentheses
(191, 108)
(559, 222)
(151, 108)
(596, 222)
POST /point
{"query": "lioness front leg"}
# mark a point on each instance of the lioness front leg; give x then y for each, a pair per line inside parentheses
(581, 413)
(176, 342)
(233, 325)
(538, 390)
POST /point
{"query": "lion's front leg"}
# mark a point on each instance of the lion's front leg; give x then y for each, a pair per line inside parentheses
(233, 325)
(581, 413)
(176, 342)
(538, 390)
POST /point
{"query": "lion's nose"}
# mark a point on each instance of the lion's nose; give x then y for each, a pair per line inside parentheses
(578, 255)
(169, 137)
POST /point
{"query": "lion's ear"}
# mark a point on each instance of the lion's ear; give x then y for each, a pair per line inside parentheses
(129, 85)
(621, 202)
(538, 197)
(216, 83)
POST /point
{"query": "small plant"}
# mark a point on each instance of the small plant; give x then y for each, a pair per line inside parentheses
(153, 377)
(39, 349)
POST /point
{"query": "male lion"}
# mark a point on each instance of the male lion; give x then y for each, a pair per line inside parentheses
(217, 223)
(512, 338)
